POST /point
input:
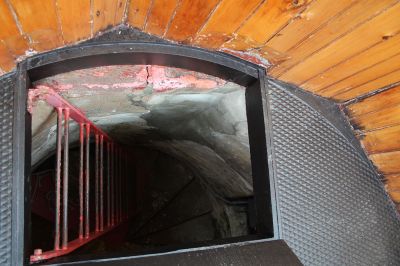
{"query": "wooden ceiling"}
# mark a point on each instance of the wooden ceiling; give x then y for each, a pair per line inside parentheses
(346, 50)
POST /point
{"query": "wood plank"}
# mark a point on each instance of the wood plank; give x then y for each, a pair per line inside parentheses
(38, 19)
(374, 55)
(392, 186)
(373, 85)
(340, 25)
(383, 118)
(314, 16)
(7, 62)
(379, 141)
(226, 19)
(104, 14)
(385, 24)
(75, 19)
(387, 163)
(159, 16)
(137, 13)
(375, 103)
(190, 16)
(266, 21)
(120, 13)
(363, 77)
(9, 33)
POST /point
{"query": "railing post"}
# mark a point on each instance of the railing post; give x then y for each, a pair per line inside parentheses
(87, 176)
(101, 184)
(81, 159)
(58, 180)
(65, 179)
(96, 196)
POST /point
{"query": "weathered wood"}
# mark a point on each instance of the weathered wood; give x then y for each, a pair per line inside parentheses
(189, 17)
(387, 163)
(39, 20)
(364, 76)
(374, 55)
(137, 13)
(352, 16)
(383, 118)
(75, 17)
(6, 58)
(360, 39)
(375, 103)
(104, 14)
(384, 140)
(392, 185)
(9, 33)
(226, 19)
(373, 85)
(316, 15)
(160, 15)
(266, 21)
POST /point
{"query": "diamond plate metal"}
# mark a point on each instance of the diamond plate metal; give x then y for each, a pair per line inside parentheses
(6, 123)
(332, 206)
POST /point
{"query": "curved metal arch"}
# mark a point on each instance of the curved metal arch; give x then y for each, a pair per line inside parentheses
(216, 64)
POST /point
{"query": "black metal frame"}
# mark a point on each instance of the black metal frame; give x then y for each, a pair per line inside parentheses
(218, 64)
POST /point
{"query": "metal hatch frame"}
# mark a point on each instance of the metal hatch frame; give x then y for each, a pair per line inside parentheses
(249, 75)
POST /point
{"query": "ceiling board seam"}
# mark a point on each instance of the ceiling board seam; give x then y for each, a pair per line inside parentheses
(315, 32)
(364, 131)
(323, 25)
(351, 89)
(370, 94)
(288, 23)
(356, 73)
(234, 33)
(18, 23)
(91, 18)
(206, 21)
(126, 10)
(178, 5)
(59, 24)
(147, 15)
(332, 43)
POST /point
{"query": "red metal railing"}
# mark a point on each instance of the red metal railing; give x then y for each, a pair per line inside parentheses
(110, 189)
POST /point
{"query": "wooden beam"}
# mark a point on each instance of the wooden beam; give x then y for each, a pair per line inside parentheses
(39, 20)
(226, 19)
(190, 16)
(160, 14)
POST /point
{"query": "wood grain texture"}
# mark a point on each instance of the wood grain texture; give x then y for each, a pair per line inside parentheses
(383, 118)
(343, 23)
(385, 24)
(315, 16)
(120, 13)
(269, 18)
(189, 17)
(384, 140)
(392, 185)
(375, 103)
(364, 76)
(75, 18)
(10, 34)
(160, 15)
(44, 31)
(373, 85)
(374, 55)
(227, 18)
(6, 58)
(137, 12)
(387, 163)
(104, 14)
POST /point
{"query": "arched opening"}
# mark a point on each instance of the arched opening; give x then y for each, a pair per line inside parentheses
(193, 155)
